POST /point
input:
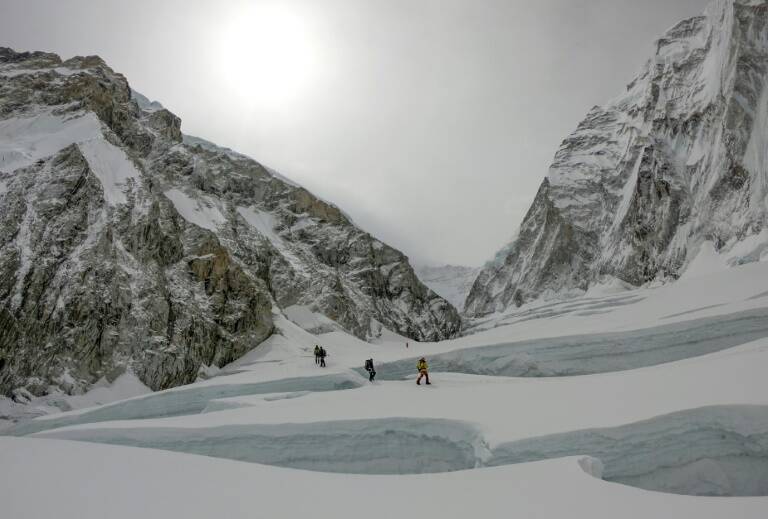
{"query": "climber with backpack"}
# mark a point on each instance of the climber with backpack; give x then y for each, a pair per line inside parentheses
(369, 368)
(323, 353)
(422, 367)
(317, 354)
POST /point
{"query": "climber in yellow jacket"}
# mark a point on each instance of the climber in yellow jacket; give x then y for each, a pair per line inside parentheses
(422, 367)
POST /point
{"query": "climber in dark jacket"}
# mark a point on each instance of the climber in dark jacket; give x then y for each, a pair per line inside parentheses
(323, 353)
(369, 368)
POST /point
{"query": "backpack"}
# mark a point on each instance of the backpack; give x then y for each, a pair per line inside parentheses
(369, 364)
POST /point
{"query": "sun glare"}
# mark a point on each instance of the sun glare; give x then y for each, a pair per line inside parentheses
(267, 55)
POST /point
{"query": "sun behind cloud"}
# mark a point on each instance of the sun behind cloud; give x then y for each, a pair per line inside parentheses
(267, 54)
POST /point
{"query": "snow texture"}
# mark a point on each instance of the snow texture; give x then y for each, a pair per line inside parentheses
(664, 427)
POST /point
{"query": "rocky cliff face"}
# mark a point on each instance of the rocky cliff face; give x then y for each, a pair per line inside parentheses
(126, 245)
(677, 162)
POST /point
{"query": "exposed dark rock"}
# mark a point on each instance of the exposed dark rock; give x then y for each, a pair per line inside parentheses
(125, 245)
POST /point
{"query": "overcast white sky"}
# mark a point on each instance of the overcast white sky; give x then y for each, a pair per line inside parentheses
(431, 122)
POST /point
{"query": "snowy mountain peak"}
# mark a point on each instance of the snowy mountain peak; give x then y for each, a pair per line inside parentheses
(676, 161)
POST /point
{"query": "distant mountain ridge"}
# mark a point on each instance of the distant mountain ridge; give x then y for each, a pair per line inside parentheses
(452, 282)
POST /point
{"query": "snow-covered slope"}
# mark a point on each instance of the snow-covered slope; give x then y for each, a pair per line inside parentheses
(452, 282)
(674, 167)
(141, 483)
(125, 246)
(542, 444)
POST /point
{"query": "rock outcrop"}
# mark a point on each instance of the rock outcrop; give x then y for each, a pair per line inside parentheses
(676, 165)
(125, 245)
